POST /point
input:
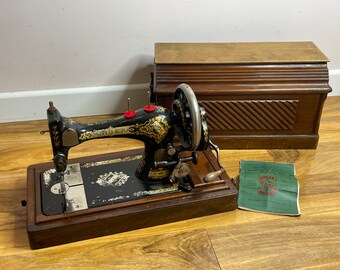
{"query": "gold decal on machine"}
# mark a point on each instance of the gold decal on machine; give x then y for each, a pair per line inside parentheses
(105, 132)
(155, 128)
(158, 173)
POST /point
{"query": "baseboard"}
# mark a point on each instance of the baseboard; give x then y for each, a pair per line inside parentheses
(334, 81)
(32, 105)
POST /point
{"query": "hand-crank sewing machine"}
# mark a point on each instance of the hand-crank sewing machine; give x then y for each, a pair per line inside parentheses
(176, 176)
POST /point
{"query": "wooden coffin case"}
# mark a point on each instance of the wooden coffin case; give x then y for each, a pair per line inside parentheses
(257, 95)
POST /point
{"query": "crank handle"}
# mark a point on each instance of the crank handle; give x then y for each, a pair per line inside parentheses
(210, 177)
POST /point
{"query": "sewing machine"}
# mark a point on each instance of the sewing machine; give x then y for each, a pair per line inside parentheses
(176, 176)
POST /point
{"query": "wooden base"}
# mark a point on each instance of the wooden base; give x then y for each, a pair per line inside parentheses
(205, 199)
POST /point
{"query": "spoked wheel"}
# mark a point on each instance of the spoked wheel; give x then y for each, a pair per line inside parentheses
(188, 114)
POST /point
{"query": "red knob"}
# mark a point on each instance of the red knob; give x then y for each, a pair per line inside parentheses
(129, 114)
(149, 108)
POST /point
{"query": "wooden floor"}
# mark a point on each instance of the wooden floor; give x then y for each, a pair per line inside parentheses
(233, 240)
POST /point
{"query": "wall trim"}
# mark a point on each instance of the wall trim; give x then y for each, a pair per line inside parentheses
(334, 81)
(334, 72)
(32, 105)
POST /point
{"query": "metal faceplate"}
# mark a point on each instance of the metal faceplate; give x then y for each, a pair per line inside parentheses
(97, 184)
(75, 193)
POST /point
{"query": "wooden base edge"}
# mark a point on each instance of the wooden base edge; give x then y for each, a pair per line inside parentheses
(148, 218)
(71, 227)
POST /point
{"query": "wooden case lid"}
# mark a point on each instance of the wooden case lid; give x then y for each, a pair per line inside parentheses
(236, 53)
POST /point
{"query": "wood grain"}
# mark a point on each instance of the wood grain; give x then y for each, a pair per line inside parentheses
(250, 52)
(187, 250)
(308, 242)
(233, 240)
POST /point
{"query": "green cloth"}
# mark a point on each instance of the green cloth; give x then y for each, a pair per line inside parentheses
(268, 187)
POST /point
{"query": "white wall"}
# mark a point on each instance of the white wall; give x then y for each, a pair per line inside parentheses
(84, 43)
